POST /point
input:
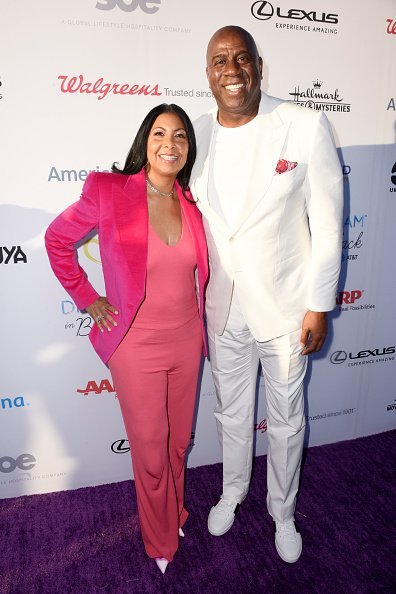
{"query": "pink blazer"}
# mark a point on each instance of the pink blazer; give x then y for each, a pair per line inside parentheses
(116, 205)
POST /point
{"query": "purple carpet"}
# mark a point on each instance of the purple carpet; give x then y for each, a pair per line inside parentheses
(88, 541)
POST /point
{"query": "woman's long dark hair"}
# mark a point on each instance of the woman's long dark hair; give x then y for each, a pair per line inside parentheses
(137, 156)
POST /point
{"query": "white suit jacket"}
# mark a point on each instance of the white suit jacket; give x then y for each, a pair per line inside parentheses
(283, 255)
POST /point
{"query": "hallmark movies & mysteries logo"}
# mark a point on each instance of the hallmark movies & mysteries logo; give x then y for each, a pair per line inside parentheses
(319, 99)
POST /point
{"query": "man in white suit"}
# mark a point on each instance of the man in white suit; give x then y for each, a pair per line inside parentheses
(268, 182)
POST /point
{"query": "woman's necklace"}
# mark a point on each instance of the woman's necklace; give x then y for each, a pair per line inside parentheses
(156, 190)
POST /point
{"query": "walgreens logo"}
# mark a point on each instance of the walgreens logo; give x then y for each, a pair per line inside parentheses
(101, 88)
(391, 28)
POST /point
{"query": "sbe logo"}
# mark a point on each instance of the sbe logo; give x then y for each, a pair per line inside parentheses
(391, 28)
(23, 462)
(145, 5)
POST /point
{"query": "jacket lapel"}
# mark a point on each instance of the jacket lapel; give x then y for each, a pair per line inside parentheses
(193, 218)
(267, 152)
(131, 219)
(200, 172)
(270, 140)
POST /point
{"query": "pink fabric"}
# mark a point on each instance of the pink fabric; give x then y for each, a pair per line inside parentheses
(155, 376)
(171, 298)
(116, 205)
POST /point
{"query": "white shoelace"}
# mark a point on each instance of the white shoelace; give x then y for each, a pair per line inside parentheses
(225, 507)
(286, 530)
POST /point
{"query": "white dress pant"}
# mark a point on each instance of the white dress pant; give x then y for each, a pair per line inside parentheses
(234, 357)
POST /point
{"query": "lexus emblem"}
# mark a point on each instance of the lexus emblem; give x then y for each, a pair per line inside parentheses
(262, 10)
(338, 357)
(121, 446)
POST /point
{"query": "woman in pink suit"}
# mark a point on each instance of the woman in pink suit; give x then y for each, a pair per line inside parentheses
(149, 326)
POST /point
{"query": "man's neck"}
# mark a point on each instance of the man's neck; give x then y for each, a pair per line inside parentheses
(234, 120)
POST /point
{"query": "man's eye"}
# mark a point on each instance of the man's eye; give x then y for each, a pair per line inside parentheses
(219, 62)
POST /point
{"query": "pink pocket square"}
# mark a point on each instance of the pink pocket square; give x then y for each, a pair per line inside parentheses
(284, 165)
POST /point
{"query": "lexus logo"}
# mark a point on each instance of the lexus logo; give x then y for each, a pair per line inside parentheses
(393, 176)
(121, 446)
(262, 10)
(338, 357)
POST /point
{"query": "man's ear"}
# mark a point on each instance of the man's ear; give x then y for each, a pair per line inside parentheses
(260, 60)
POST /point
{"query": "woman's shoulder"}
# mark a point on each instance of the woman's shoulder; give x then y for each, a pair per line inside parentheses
(104, 179)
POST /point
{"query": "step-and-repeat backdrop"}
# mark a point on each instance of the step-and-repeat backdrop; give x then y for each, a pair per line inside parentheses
(76, 79)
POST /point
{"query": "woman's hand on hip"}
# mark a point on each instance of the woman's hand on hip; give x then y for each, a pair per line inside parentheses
(101, 311)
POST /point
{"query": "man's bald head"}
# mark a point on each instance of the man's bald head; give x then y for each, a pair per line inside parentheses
(234, 68)
(233, 30)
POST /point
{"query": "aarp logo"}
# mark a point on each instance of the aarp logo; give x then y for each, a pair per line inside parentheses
(93, 387)
(348, 296)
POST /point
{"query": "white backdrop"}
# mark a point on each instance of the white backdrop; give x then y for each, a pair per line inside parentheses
(61, 116)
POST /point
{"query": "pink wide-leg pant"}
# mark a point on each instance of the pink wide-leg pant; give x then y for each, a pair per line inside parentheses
(155, 376)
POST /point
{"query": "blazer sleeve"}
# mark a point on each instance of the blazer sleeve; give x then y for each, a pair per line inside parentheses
(64, 232)
(324, 191)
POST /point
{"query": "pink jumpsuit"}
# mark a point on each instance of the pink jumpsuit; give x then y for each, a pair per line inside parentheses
(155, 372)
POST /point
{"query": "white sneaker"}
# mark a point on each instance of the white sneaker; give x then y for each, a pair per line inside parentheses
(162, 563)
(221, 517)
(288, 541)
